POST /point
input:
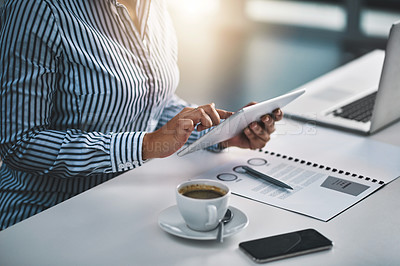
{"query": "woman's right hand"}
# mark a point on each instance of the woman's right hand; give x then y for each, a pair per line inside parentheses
(173, 135)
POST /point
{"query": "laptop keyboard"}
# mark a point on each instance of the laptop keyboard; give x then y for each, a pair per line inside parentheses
(360, 110)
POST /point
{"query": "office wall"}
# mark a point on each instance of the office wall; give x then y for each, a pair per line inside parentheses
(228, 58)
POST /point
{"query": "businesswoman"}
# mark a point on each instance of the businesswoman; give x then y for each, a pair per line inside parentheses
(88, 92)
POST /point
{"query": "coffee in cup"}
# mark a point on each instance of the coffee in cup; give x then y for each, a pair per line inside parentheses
(202, 191)
(202, 203)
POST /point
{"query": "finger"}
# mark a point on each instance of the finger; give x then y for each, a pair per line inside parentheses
(259, 131)
(269, 123)
(278, 114)
(200, 116)
(224, 114)
(212, 113)
(254, 141)
(200, 127)
(184, 129)
(185, 125)
(250, 104)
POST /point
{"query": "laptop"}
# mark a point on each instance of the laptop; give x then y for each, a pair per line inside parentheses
(361, 96)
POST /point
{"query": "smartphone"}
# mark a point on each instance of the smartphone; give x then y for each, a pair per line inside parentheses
(285, 245)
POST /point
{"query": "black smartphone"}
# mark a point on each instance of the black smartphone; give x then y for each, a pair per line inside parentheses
(285, 245)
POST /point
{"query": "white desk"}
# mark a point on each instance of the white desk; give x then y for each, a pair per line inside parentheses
(116, 223)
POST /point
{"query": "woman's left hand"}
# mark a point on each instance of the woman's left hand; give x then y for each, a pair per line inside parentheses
(256, 134)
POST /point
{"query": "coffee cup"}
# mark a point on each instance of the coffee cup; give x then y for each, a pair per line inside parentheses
(202, 203)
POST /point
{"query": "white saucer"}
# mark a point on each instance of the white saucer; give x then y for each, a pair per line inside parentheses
(171, 221)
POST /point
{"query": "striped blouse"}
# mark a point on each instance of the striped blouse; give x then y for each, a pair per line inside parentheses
(81, 83)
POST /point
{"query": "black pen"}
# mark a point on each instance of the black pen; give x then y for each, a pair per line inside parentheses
(265, 177)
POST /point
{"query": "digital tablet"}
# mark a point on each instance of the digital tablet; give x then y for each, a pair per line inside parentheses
(237, 122)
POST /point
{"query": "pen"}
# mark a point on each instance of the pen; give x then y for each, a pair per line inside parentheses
(265, 177)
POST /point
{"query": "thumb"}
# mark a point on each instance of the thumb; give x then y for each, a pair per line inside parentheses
(185, 127)
(250, 104)
(224, 114)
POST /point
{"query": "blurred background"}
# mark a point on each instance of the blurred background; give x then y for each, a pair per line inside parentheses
(232, 52)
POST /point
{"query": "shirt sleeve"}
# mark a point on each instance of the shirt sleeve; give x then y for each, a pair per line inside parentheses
(29, 59)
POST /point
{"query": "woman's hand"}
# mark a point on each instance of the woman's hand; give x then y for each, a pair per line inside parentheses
(173, 135)
(257, 134)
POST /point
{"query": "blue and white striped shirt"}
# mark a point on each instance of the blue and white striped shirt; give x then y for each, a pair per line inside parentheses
(81, 83)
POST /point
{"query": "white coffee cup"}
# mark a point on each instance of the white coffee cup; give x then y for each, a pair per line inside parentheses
(198, 206)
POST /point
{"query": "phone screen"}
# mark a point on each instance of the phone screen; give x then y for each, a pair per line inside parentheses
(285, 245)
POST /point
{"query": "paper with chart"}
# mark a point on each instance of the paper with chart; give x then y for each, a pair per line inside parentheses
(318, 191)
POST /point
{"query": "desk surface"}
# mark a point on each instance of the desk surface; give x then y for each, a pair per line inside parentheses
(116, 223)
